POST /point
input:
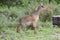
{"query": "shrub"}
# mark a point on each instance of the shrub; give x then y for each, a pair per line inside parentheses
(46, 14)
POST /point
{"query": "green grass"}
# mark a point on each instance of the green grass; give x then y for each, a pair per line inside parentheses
(44, 29)
(43, 33)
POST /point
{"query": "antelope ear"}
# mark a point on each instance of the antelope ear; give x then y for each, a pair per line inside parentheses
(41, 4)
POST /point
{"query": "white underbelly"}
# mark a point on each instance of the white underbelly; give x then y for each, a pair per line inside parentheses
(37, 19)
(28, 23)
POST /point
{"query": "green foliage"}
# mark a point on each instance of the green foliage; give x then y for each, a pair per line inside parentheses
(58, 1)
(44, 29)
(26, 7)
(46, 15)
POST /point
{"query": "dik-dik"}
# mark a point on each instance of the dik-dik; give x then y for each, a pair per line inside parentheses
(31, 19)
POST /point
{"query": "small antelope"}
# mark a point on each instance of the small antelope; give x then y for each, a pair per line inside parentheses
(31, 19)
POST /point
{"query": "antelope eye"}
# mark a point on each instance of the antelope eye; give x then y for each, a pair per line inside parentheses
(42, 6)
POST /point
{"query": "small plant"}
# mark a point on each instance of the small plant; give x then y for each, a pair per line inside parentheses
(46, 15)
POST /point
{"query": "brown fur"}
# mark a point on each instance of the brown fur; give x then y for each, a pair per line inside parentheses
(30, 19)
